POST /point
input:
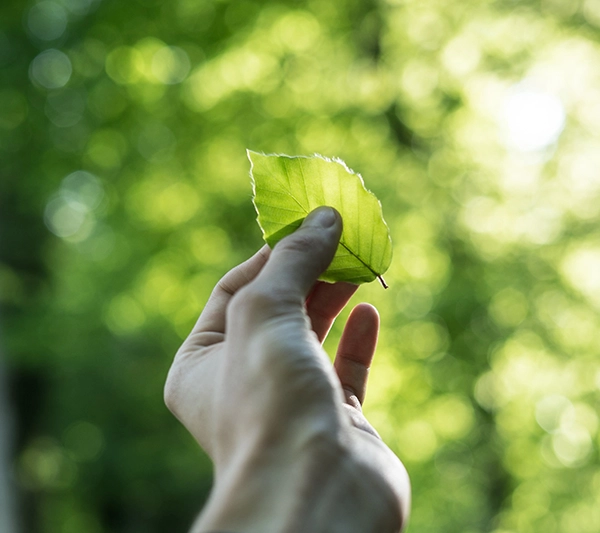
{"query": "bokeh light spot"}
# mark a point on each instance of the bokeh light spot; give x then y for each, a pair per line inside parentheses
(508, 307)
(210, 245)
(84, 441)
(572, 445)
(84, 187)
(298, 30)
(532, 119)
(47, 21)
(414, 300)
(461, 55)
(487, 391)
(424, 339)
(549, 410)
(452, 416)
(64, 217)
(124, 315)
(193, 15)
(51, 69)
(68, 213)
(170, 65)
(418, 441)
(79, 7)
(581, 268)
(419, 79)
(45, 465)
(106, 148)
(162, 202)
(125, 65)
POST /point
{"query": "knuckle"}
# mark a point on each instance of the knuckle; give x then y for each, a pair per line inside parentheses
(251, 299)
(257, 301)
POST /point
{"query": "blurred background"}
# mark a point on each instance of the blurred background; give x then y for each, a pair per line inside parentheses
(125, 195)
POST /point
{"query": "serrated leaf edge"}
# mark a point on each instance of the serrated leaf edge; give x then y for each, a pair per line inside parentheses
(328, 160)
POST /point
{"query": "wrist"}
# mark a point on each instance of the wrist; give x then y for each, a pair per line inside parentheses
(266, 484)
(316, 484)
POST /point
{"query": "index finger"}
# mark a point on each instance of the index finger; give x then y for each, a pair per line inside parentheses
(210, 327)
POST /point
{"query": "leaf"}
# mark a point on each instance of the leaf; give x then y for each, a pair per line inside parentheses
(287, 188)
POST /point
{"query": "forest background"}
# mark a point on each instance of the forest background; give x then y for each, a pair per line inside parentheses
(125, 195)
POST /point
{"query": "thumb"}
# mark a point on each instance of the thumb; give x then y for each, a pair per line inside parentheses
(299, 259)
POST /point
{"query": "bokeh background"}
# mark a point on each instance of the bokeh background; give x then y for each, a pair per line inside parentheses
(124, 196)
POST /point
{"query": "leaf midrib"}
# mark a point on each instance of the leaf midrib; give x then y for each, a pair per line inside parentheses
(305, 210)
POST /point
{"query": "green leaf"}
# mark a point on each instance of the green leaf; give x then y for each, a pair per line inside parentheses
(287, 188)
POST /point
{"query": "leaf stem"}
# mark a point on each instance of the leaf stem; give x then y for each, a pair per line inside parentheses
(382, 281)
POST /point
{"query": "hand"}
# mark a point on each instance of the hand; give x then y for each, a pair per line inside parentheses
(253, 385)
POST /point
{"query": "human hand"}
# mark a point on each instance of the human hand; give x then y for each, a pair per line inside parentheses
(253, 385)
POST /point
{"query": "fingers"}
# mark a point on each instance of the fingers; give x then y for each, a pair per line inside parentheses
(299, 259)
(211, 324)
(324, 304)
(356, 350)
(291, 269)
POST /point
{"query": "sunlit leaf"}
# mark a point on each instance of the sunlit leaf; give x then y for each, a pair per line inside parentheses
(286, 189)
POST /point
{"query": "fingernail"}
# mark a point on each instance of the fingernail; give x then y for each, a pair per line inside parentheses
(322, 216)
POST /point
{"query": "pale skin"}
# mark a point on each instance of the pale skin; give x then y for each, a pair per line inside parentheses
(292, 450)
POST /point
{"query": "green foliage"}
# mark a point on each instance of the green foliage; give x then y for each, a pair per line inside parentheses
(124, 197)
(287, 188)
